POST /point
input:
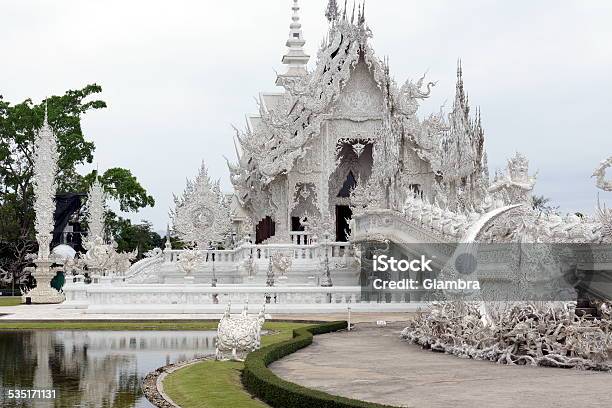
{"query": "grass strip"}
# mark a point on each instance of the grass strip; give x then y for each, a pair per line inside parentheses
(216, 384)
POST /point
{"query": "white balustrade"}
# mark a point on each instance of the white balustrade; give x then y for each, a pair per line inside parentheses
(102, 294)
(265, 251)
(300, 238)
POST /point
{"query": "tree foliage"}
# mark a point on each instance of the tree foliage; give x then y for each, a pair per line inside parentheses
(542, 204)
(19, 124)
(130, 237)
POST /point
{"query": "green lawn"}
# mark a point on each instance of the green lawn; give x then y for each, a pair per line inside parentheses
(10, 300)
(216, 384)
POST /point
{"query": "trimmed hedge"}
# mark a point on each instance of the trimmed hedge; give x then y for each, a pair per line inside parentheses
(261, 382)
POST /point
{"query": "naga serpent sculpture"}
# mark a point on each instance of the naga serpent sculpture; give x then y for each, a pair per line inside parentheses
(603, 213)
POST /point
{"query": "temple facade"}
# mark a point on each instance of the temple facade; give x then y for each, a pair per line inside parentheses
(338, 158)
(345, 128)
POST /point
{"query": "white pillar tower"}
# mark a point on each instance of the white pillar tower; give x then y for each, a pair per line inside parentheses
(295, 58)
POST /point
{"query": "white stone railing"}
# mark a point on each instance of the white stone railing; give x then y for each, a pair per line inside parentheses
(265, 251)
(104, 294)
(300, 238)
(142, 266)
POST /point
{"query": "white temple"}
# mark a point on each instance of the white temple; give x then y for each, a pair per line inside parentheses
(338, 156)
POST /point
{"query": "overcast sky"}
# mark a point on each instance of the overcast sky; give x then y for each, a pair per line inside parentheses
(177, 74)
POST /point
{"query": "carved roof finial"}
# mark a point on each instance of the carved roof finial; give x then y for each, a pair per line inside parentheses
(459, 69)
(332, 11)
(46, 120)
(295, 58)
(361, 15)
(460, 97)
(168, 241)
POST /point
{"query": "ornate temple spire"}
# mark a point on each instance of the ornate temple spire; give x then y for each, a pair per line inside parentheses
(331, 13)
(361, 19)
(168, 240)
(45, 166)
(295, 58)
(460, 98)
(96, 201)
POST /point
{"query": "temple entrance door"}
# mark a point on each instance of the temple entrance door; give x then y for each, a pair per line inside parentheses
(343, 216)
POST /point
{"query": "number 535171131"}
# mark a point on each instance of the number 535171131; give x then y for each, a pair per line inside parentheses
(30, 394)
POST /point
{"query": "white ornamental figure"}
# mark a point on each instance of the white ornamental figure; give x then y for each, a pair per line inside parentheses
(604, 214)
(238, 336)
(102, 258)
(201, 216)
(45, 170)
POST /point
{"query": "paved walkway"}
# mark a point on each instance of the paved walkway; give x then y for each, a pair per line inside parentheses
(373, 364)
(55, 312)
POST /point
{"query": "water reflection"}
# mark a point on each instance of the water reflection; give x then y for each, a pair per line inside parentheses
(90, 368)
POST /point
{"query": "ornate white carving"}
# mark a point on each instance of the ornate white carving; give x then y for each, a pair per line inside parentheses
(201, 215)
(102, 258)
(351, 97)
(147, 269)
(600, 174)
(238, 335)
(604, 214)
(545, 334)
(281, 262)
(45, 171)
(189, 260)
(96, 202)
(516, 185)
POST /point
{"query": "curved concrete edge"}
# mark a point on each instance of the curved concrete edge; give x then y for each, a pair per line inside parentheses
(152, 385)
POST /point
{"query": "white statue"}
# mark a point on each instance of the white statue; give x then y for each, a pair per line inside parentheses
(238, 335)
(516, 184)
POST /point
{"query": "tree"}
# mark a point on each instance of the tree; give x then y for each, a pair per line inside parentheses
(18, 126)
(542, 204)
(130, 237)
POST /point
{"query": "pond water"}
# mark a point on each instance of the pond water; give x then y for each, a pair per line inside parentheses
(92, 369)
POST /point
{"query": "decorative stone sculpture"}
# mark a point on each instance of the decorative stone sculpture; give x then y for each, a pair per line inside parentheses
(201, 216)
(600, 174)
(516, 185)
(547, 334)
(45, 170)
(604, 214)
(238, 335)
(281, 262)
(188, 261)
(102, 258)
